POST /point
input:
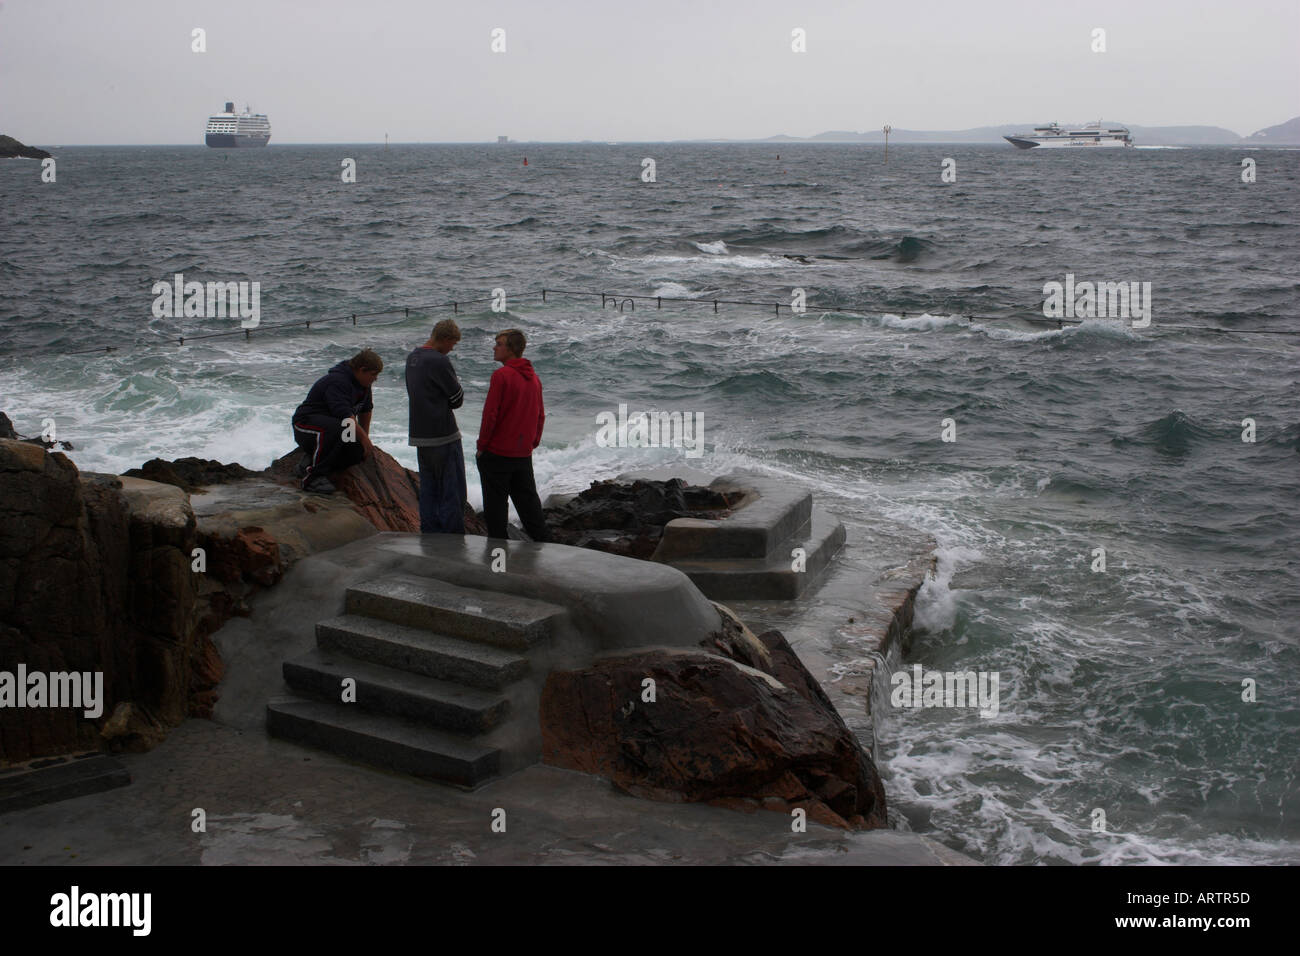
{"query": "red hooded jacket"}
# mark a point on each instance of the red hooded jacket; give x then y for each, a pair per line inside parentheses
(513, 413)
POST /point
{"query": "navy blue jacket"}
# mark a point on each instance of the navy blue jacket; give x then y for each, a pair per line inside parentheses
(337, 394)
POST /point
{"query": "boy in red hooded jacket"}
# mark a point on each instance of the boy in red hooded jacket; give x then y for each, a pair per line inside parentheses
(512, 427)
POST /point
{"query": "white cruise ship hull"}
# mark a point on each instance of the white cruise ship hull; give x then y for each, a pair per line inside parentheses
(1063, 142)
(231, 130)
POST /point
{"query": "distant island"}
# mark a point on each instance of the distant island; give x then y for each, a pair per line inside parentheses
(1284, 134)
(10, 148)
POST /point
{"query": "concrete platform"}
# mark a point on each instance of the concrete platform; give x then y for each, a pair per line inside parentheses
(416, 647)
(269, 802)
(773, 546)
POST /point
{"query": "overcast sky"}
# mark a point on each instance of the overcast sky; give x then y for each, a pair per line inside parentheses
(348, 71)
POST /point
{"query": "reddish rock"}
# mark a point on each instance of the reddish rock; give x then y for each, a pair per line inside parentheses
(250, 555)
(386, 494)
(717, 731)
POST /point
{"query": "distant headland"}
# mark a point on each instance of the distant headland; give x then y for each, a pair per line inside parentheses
(10, 148)
(1284, 134)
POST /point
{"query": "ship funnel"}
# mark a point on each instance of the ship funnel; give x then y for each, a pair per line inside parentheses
(230, 107)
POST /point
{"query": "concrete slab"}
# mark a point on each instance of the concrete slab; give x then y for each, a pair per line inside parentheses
(270, 802)
(59, 778)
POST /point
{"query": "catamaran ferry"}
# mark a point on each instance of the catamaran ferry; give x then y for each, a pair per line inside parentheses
(1094, 134)
(231, 129)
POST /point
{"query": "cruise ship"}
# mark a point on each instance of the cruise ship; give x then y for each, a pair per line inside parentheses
(1092, 135)
(230, 129)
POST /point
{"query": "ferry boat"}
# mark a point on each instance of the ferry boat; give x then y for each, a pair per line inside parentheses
(229, 129)
(1093, 135)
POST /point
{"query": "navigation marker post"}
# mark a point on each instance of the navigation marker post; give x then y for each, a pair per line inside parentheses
(887, 129)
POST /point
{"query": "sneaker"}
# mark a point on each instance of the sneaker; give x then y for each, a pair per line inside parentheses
(300, 469)
(320, 485)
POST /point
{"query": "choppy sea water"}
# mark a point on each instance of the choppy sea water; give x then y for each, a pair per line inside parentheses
(1120, 690)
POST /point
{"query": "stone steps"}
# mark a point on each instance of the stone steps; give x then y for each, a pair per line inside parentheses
(771, 576)
(389, 742)
(485, 617)
(468, 710)
(441, 671)
(421, 652)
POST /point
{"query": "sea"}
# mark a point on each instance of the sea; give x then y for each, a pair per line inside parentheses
(1113, 502)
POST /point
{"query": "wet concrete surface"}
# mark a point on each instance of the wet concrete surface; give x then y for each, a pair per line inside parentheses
(269, 802)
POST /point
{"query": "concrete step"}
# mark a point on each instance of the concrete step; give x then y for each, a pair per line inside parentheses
(382, 741)
(771, 577)
(485, 617)
(758, 530)
(59, 778)
(454, 707)
(421, 652)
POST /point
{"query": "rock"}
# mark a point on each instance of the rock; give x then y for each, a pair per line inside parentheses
(10, 148)
(130, 728)
(628, 519)
(95, 576)
(8, 431)
(191, 474)
(248, 555)
(738, 642)
(718, 731)
(385, 493)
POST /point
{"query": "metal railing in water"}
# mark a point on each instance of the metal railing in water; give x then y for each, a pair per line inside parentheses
(626, 302)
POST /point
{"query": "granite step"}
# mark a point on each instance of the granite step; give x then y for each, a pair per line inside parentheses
(383, 741)
(771, 577)
(484, 617)
(421, 652)
(758, 530)
(467, 710)
(59, 778)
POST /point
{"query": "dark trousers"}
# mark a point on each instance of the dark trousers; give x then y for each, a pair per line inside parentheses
(513, 477)
(442, 488)
(320, 436)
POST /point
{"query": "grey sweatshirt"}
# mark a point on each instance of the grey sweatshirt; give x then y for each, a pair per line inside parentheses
(433, 391)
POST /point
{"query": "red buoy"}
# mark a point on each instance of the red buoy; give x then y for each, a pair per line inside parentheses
(525, 160)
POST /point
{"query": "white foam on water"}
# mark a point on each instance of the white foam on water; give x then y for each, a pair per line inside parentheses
(675, 290)
(936, 602)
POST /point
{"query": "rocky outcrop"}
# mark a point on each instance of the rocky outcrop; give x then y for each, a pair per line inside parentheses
(629, 518)
(743, 725)
(117, 574)
(191, 474)
(7, 430)
(10, 148)
(95, 577)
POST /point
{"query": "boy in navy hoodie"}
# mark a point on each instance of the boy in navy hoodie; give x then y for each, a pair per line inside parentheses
(332, 425)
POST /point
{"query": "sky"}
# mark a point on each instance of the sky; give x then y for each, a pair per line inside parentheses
(81, 72)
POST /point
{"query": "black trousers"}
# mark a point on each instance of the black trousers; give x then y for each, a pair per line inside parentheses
(320, 436)
(513, 477)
